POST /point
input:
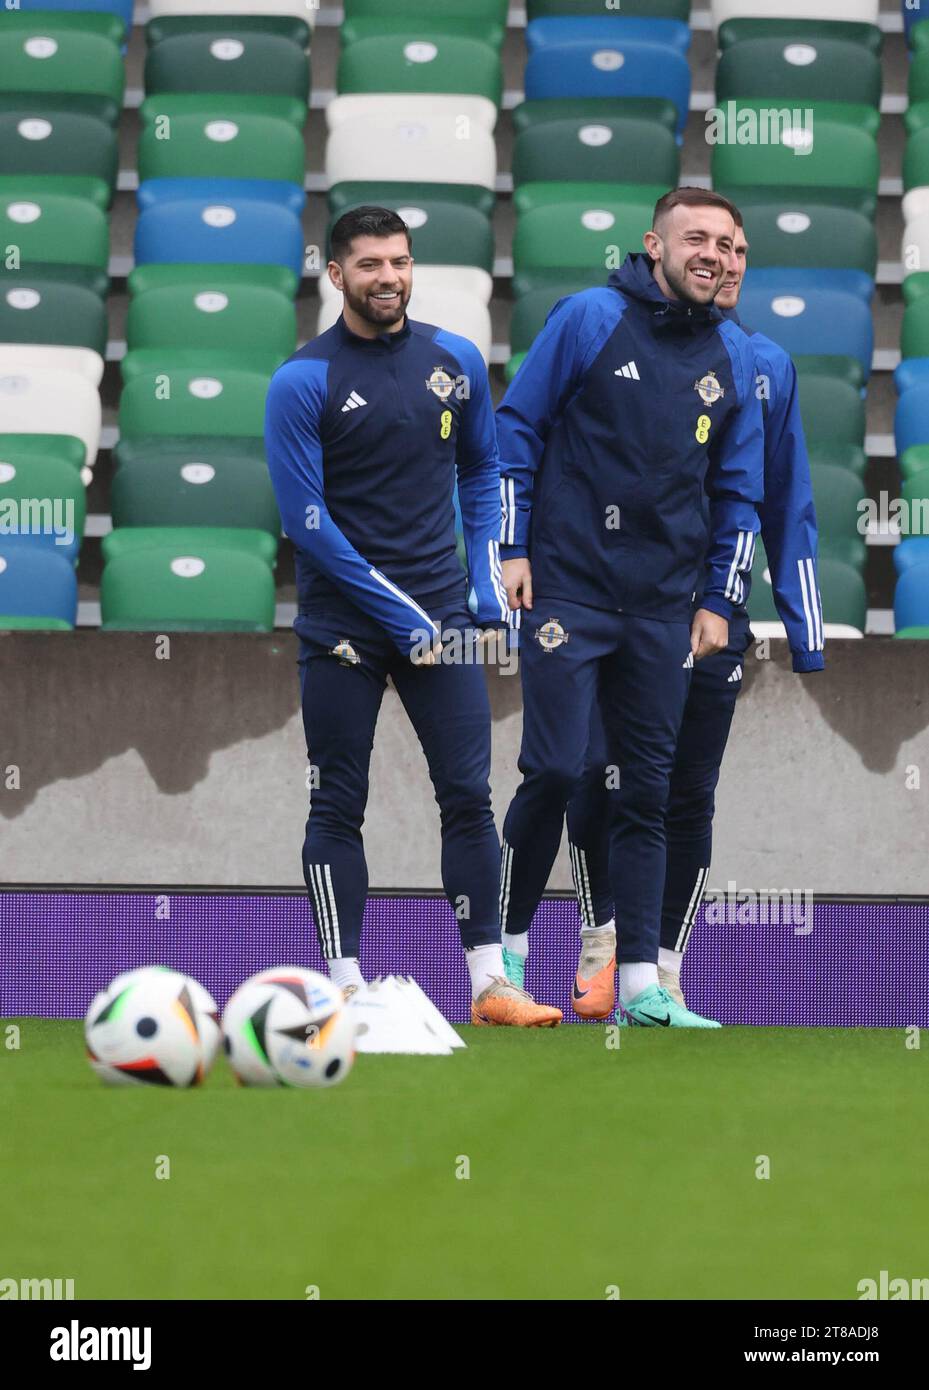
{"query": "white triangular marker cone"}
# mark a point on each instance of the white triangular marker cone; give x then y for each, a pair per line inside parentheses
(394, 1023)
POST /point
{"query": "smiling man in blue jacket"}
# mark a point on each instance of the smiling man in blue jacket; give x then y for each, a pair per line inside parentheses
(788, 529)
(368, 428)
(632, 461)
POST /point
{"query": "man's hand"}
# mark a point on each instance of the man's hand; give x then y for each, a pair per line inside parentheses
(517, 580)
(709, 633)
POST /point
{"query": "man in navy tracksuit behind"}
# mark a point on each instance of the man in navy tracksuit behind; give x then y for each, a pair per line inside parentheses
(788, 529)
(368, 427)
(631, 448)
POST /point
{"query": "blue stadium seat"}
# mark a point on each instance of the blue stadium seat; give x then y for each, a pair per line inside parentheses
(606, 29)
(38, 587)
(587, 68)
(911, 552)
(818, 322)
(289, 196)
(911, 600)
(911, 418)
(802, 279)
(245, 233)
(912, 371)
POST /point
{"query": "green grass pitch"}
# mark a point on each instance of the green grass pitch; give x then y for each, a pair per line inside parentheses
(591, 1168)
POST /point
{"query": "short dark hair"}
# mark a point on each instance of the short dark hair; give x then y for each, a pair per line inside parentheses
(690, 197)
(365, 221)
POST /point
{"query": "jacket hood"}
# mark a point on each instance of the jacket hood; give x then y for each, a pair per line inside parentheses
(636, 280)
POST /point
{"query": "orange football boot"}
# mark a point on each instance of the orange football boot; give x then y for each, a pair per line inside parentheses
(504, 1005)
(593, 995)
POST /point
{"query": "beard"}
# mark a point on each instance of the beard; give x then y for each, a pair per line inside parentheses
(677, 282)
(368, 309)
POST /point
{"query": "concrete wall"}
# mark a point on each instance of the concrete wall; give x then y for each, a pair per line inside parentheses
(191, 770)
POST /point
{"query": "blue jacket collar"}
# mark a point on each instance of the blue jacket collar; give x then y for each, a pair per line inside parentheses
(636, 280)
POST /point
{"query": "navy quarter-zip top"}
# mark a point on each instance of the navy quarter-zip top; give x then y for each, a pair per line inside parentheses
(366, 439)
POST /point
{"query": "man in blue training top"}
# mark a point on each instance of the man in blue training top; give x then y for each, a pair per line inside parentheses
(788, 530)
(367, 428)
(631, 447)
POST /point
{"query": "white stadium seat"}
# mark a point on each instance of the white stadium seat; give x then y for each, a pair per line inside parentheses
(226, 9)
(433, 280)
(452, 309)
(420, 145)
(915, 204)
(856, 11)
(914, 251)
(51, 402)
(28, 357)
(403, 106)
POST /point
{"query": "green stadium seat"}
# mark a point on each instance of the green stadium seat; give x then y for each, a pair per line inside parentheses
(178, 450)
(160, 489)
(213, 106)
(231, 146)
(913, 461)
(52, 481)
(837, 493)
(914, 336)
(132, 540)
(66, 144)
(833, 412)
(421, 11)
(749, 198)
(594, 231)
(384, 26)
(444, 233)
(58, 238)
(38, 186)
(847, 369)
(618, 149)
(48, 61)
(47, 311)
(229, 403)
(154, 276)
(915, 494)
(842, 163)
(421, 62)
(97, 22)
(841, 586)
(811, 235)
(657, 110)
(220, 328)
(352, 193)
(189, 583)
(916, 150)
(827, 69)
(851, 457)
(734, 31)
(290, 27)
(213, 61)
(20, 449)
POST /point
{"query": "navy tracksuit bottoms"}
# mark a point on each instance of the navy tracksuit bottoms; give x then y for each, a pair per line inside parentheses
(714, 689)
(639, 670)
(449, 709)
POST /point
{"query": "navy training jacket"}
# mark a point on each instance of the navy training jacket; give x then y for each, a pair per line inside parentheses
(632, 452)
(365, 440)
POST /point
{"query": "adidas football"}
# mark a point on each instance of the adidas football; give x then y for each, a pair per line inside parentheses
(289, 1027)
(152, 1026)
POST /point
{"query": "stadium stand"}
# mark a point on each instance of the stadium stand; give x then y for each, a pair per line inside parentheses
(585, 116)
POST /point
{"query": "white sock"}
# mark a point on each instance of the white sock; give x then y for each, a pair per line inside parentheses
(607, 926)
(345, 971)
(635, 977)
(670, 960)
(518, 944)
(484, 962)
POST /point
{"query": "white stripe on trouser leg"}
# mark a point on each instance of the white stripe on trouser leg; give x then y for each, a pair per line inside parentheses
(336, 938)
(320, 921)
(506, 866)
(696, 898)
(328, 947)
(582, 885)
